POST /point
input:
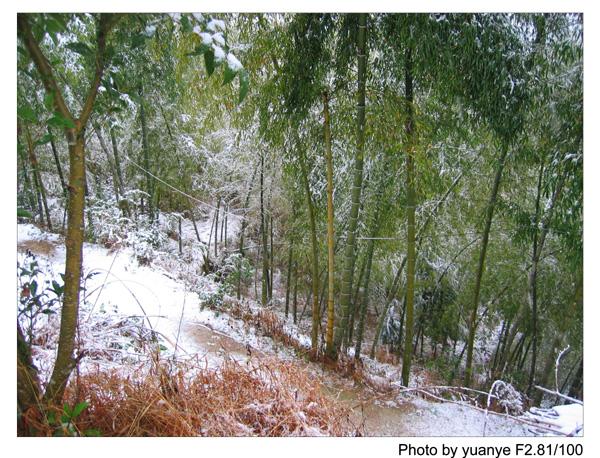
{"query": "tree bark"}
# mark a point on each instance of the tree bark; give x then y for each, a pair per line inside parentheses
(481, 265)
(349, 255)
(410, 218)
(263, 233)
(315, 257)
(28, 186)
(243, 230)
(146, 152)
(289, 278)
(111, 165)
(41, 189)
(533, 281)
(329, 348)
(63, 184)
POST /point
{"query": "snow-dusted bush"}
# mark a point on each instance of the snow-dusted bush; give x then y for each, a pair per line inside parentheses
(211, 291)
(109, 226)
(508, 397)
(40, 294)
(145, 240)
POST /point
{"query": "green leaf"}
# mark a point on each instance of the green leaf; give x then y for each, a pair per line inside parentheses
(138, 40)
(80, 48)
(244, 85)
(49, 100)
(78, 409)
(67, 410)
(45, 139)
(57, 120)
(209, 61)
(92, 433)
(57, 287)
(22, 213)
(229, 75)
(53, 25)
(185, 24)
(26, 113)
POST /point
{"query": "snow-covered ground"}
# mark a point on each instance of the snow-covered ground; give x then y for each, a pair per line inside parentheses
(163, 302)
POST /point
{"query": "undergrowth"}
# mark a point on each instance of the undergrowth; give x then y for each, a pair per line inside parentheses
(259, 398)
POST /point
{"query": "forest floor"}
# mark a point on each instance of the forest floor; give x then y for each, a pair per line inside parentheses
(130, 309)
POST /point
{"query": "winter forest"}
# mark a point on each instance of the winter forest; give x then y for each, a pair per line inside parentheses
(299, 224)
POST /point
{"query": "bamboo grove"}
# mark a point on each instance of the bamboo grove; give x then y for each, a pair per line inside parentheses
(409, 186)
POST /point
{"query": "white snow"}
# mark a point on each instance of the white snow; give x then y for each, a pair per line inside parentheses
(233, 63)
(558, 420)
(206, 37)
(215, 25)
(150, 29)
(219, 53)
(218, 38)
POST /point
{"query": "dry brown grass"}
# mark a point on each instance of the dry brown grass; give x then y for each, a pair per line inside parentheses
(42, 247)
(267, 322)
(260, 398)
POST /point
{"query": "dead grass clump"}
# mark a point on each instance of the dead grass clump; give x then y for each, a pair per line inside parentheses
(267, 322)
(42, 247)
(262, 398)
(384, 355)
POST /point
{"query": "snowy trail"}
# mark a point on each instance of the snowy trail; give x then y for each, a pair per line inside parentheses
(124, 288)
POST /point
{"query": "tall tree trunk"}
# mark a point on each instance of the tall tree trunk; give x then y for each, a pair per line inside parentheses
(37, 176)
(263, 233)
(28, 186)
(180, 236)
(533, 281)
(576, 390)
(113, 139)
(63, 184)
(243, 230)
(349, 255)
(226, 221)
(146, 152)
(354, 300)
(410, 217)
(271, 257)
(104, 147)
(329, 348)
(217, 224)
(502, 335)
(315, 257)
(295, 302)
(73, 266)
(365, 297)
(193, 218)
(289, 278)
(481, 265)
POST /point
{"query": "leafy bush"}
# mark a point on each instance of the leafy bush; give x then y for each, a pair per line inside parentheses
(65, 425)
(38, 296)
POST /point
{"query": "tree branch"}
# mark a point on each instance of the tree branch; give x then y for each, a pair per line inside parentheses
(42, 65)
(106, 23)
